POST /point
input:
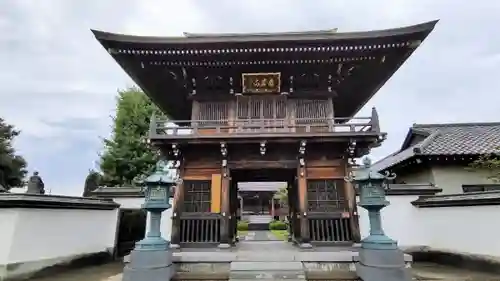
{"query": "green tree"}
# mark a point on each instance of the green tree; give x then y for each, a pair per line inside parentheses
(12, 166)
(92, 182)
(282, 196)
(126, 154)
(489, 163)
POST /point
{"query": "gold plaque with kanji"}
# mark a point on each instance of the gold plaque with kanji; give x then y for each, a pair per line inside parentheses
(260, 83)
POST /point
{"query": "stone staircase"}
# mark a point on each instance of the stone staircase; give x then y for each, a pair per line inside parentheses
(267, 271)
(258, 222)
(279, 260)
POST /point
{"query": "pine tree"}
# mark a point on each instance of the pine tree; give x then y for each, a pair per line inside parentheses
(12, 166)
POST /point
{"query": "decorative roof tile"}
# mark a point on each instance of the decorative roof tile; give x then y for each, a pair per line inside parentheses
(446, 139)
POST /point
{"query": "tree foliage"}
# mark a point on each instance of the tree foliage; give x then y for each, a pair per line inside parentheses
(126, 154)
(282, 196)
(489, 163)
(12, 165)
(92, 182)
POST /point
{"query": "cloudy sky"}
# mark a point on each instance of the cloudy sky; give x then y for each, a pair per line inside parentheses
(59, 84)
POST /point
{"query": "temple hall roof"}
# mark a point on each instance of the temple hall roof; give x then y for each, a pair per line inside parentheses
(347, 66)
(470, 139)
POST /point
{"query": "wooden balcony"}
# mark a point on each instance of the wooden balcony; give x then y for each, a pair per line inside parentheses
(164, 129)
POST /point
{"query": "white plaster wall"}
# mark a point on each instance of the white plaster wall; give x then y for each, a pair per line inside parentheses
(8, 219)
(451, 178)
(55, 233)
(129, 202)
(34, 239)
(422, 176)
(468, 229)
(135, 203)
(400, 221)
(471, 229)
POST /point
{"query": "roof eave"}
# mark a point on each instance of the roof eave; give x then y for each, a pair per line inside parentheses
(426, 27)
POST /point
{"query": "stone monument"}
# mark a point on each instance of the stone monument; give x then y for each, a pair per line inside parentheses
(380, 259)
(151, 259)
(35, 184)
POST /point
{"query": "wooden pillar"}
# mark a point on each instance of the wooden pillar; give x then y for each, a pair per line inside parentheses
(177, 208)
(225, 227)
(331, 116)
(302, 185)
(225, 209)
(272, 207)
(351, 200)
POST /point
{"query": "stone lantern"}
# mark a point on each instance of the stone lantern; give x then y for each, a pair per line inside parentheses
(151, 259)
(379, 256)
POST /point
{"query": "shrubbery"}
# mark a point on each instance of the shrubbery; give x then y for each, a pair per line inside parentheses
(242, 226)
(277, 225)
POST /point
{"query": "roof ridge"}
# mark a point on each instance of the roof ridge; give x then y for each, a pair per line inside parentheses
(467, 124)
(428, 140)
(284, 33)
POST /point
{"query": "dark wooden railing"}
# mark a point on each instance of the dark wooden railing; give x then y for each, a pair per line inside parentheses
(163, 128)
(200, 229)
(334, 230)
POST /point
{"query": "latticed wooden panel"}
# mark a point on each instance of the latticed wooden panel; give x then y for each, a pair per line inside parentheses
(326, 196)
(255, 107)
(196, 196)
(213, 113)
(256, 113)
(311, 111)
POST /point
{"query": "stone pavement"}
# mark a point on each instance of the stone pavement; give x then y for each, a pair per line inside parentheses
(274, 249)
(106, 272)
(260, 235)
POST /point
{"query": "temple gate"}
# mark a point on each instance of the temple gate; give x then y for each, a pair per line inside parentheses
(275, 107)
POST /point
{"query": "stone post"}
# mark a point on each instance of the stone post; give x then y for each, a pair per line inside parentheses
(151, 259)
(380, 259)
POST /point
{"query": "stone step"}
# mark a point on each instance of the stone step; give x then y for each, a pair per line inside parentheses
(248, 270)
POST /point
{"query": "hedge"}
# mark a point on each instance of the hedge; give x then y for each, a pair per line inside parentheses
(242, 226)
(278, 225)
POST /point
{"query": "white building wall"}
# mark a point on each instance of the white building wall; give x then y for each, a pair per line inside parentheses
(37, 238)
(8, 219)
(451, 178)
(464, 229)
(400, 221)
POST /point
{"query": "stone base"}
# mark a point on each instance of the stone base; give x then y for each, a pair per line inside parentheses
(387, 265)
(305, 245)
(149, 265)
(224, 246)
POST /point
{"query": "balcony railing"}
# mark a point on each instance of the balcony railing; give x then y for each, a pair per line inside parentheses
(162, 128)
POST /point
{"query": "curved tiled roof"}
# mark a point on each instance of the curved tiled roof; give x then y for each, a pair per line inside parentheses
(446, 139)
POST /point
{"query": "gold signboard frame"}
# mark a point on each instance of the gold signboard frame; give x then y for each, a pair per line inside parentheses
(261, 83)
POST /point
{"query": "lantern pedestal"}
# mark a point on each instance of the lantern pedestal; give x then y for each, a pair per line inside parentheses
(382, 265)
(151, 260)
(380, 259)
(149, 265)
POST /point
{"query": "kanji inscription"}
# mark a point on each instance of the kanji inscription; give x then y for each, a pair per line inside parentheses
(257, 83)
